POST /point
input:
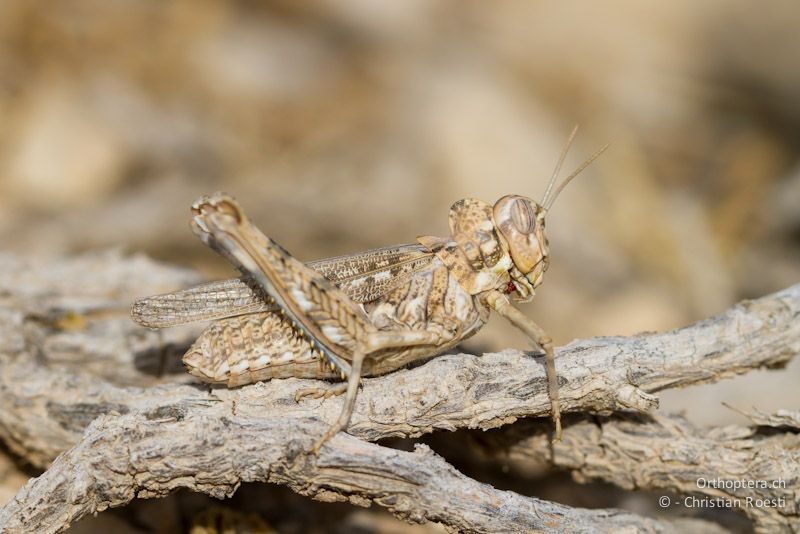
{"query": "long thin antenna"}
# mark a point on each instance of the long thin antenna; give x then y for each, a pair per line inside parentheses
(569, 178)
(561, 159)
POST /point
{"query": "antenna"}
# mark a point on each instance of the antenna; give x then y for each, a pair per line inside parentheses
(560, 162)
(547, 203)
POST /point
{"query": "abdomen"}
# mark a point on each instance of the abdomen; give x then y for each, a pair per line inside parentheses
(254, 347)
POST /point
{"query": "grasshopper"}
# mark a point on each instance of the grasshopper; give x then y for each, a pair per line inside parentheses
(364, 314)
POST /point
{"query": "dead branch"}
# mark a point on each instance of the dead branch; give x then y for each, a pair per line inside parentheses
(52, 386)
(56, 378)
(757, 469)
(124, 457)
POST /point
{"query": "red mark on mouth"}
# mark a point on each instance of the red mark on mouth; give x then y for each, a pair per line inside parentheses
(510, 287)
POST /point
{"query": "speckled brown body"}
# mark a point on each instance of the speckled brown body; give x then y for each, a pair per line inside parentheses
(360, 315)
(432, 287)
(260, 346)
(363, 314)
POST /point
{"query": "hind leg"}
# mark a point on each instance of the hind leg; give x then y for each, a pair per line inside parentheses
(375, 342)
(330, 320)
(320, 393)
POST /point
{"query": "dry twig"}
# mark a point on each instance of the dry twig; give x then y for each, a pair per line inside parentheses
(124, 457)
(754, 469)
(175, 435)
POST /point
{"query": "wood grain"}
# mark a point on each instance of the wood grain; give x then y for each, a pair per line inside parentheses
(72, 381)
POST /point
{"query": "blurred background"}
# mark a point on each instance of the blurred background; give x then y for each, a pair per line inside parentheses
(344, 125)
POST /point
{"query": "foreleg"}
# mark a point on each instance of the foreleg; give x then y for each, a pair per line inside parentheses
(500, 303)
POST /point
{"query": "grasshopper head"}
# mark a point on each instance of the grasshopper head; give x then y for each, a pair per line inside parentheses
(520, 225)
(501, 247)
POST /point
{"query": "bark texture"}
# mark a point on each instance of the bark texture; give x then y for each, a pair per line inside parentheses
(78, 376)
(755, 469)
(124, 457)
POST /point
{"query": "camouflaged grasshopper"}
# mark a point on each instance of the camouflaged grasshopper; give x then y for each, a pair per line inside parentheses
(364, 314)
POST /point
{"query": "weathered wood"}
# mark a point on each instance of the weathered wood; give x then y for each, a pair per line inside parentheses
(48, 399)
(124, 457)
(755, 469)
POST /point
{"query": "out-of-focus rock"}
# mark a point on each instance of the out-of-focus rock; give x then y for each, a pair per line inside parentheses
(63, 156)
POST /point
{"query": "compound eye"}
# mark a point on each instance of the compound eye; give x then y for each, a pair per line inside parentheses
(515, 220)
(523, 216)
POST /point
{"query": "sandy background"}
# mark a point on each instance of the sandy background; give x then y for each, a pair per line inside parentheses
(346, 125)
